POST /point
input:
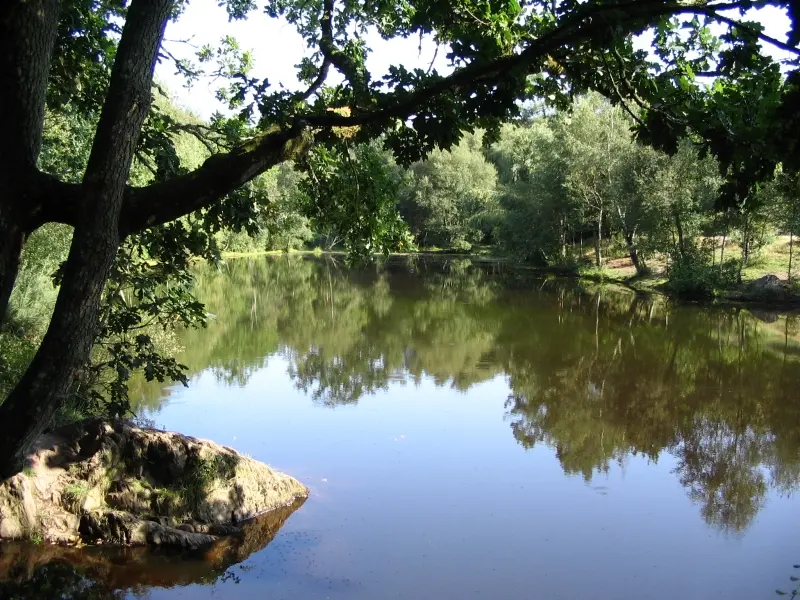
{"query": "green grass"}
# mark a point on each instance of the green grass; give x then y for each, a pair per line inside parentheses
(16, 354)
(75, 493)
(202, 473)
(188, 492)
(169, 500)
(772, 259)
(251, 253)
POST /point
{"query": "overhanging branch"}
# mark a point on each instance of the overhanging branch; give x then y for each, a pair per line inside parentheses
(587, 21)
(164, 201)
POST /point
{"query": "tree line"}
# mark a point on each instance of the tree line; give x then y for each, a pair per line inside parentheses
(552, 189)
(561, 189)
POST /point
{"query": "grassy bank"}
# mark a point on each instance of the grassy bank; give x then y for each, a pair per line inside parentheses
(772, 259)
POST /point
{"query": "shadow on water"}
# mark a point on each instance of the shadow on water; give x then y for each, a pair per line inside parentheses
(49, 572)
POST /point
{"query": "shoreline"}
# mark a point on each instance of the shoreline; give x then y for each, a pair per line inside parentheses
(650, 284)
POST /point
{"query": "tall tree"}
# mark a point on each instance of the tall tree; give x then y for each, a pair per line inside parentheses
(99, 55)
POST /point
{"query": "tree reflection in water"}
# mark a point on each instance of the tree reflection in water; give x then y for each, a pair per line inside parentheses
(44, 572)
(596, 373)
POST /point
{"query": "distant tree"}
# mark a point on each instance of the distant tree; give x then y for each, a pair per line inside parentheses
(448, 198)
(350, 192)
(541, 218)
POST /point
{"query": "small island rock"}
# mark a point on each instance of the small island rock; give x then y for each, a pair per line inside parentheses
(113, 482)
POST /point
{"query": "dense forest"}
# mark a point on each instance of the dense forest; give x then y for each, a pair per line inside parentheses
(568, 190)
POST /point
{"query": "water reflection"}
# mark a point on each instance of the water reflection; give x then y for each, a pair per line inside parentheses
(596, 373)
(47, 572)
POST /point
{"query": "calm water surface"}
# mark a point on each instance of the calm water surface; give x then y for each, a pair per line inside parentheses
(470, 431)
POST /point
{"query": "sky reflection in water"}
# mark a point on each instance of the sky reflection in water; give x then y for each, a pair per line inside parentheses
(472, 432)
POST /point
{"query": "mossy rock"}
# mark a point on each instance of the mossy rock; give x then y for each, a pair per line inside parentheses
(116, 483)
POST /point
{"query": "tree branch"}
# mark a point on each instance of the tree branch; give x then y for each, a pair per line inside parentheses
(587, 20)
(165, 201)
(325, 47)
(619, 94)
(357, 76)
(711, 12)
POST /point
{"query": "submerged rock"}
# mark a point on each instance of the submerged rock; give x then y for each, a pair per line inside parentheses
(115, 483)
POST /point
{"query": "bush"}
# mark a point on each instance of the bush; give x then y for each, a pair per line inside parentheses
(34, 294)
(461, 246)
(693, 276)
(238, 241)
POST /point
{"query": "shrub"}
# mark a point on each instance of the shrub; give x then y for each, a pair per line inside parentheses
(461, 246)
(692, 275)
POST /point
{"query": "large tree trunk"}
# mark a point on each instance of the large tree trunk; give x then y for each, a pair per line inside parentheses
(65, 348)
(27, 36)
(792, 220)
(629, 235)
(633, 252)
(69, 338)
(11, 240)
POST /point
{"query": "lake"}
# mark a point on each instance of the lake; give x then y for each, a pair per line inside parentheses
(472, 430)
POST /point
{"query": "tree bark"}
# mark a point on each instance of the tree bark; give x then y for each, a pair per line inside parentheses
(27, 36)
(792, 220)
(679, 229)
(165, 201)
(633, 252)
(629, 234)
(11, 240)
(598, 252)
(67, 344)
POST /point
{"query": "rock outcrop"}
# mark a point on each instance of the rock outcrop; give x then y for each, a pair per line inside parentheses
(768, 288)
(116, 483)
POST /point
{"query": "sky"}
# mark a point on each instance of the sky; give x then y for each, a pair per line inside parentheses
(277, 48)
